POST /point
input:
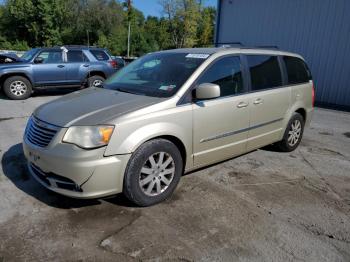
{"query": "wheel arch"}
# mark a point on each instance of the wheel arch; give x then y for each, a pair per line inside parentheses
(96, 73)
(302, 112)
(177, 142)
(7, 75)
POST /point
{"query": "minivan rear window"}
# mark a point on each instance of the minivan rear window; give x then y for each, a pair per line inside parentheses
(265, 72)
(297, 70)
(100, 55)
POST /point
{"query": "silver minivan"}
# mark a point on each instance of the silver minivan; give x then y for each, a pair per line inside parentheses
(166, 114)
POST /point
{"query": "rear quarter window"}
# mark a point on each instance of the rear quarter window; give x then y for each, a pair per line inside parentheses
(100, 55)
(297, 70)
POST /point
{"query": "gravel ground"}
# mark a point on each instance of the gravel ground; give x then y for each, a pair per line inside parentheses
(263, 206)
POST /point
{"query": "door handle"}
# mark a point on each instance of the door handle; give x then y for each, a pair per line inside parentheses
(242, 105)
(60, 66)
(258, 101)
(86, 65)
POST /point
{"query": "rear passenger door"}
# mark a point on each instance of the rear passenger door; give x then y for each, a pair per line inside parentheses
(269, 100)
(77, 67)
(220, 125)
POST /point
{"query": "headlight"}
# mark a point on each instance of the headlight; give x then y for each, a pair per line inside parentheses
(88, 136)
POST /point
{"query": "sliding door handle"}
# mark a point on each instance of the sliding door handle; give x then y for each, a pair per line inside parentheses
(242, 104)
(258, 101)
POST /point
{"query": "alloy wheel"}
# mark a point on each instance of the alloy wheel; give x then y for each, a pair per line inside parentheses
(294, 133)
(97, 83)
(157, 174)
(18, 88)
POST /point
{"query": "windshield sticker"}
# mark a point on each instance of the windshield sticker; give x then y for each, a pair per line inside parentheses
(167, 88)
(198, 56)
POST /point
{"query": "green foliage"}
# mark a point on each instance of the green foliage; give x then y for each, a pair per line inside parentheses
(32, 23)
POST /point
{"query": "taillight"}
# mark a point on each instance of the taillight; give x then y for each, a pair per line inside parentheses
(113, 63)
(313, 94)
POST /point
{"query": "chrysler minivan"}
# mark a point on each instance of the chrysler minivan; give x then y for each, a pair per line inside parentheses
(166, 114)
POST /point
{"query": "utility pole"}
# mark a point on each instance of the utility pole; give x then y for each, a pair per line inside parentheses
(129, 27)
(88, 38)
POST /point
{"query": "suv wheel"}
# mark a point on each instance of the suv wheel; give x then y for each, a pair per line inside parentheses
(95, 81)
(153, 172)
(293, 134)
(17, 88)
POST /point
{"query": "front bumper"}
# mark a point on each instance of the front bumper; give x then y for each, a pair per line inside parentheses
(75, 172)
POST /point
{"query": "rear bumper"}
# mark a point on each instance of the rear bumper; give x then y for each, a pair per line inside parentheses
(75, 172)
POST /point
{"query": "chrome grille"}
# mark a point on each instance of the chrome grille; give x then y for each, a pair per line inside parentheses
(40, 133)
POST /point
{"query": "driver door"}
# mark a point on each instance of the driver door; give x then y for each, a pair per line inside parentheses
(220, 125)
(52, 70)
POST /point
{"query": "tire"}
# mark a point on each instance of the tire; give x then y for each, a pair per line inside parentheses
(139, 178)
(95, 81)
(17, 88)
(289, 144)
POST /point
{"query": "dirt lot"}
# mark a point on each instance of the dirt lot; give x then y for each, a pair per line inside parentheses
(263, 206)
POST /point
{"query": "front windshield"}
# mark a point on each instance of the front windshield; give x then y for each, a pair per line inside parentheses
(27, 56)
(157, 74)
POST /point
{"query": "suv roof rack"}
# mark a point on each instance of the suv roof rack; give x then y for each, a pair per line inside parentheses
(76, 46)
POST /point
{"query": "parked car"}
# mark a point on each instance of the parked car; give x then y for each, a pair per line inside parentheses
(57, 67)
(165, 114)
(9, 58)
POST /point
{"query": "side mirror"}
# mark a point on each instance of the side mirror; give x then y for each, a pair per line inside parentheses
(39, 60)
(207, 91)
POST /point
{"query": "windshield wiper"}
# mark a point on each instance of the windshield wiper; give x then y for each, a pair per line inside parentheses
(127, 91)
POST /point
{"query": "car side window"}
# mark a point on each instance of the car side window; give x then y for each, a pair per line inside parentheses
(75, 56)
(265, 72)
(51, 57)
(297, 70)
(100, 55)
(226, 73)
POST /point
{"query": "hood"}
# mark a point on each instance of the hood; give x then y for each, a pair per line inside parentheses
(91, 106)
(9, 58)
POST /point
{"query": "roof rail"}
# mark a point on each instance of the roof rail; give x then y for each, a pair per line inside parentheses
(228, 44)
(268, 46)
(242, 46)
(76, 46)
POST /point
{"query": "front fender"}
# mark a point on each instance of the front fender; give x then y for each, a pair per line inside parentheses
(18, 70)
(128, 136)
(148, 132)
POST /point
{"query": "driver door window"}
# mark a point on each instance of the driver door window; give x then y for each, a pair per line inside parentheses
(227, 74)
(51, 57)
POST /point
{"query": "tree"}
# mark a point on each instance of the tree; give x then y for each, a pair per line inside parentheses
(183, 17)
(24, 23)
(206, 27)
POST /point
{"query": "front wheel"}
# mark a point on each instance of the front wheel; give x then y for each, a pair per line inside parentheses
(153, 172)
(17, 88)
(293, 134)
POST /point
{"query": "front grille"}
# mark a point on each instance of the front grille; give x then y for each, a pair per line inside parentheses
(53, 180)
(40, 133)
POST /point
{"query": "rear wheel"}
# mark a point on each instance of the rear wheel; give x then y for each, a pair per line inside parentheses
(153, 172)
(95, 81)
(293, 134)
(17, 88)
